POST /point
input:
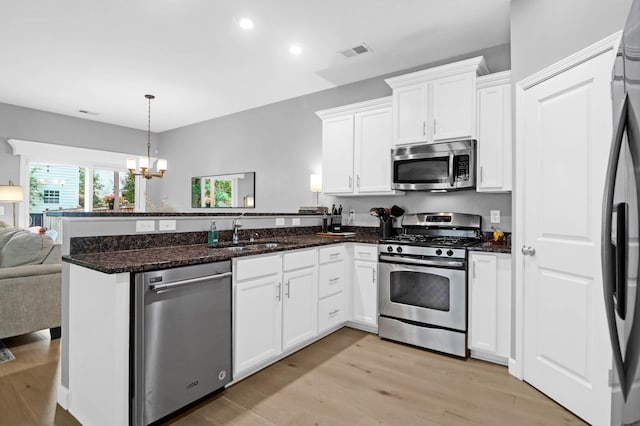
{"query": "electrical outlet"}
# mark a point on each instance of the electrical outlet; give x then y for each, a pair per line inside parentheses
(295, 221)
(145, 225)
(167, 225)
(280, 221)
(495, 216)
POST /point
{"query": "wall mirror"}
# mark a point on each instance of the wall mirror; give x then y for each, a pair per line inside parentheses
(224, 191)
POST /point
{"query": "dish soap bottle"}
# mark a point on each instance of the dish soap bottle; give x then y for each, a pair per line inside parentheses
(213, 235)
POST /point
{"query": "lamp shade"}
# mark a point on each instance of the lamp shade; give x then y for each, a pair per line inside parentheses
(11, 193)
(315, 183)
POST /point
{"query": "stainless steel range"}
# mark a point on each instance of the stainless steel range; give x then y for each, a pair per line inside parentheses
(423, 281)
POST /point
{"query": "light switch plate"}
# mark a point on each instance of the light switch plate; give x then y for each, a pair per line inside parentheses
(495, 216)
(295, 221)
(145, 225)
(167, 225)
(280, 221)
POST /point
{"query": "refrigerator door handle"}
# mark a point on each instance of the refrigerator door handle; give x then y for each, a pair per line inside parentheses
(620, 291)
(608, 254)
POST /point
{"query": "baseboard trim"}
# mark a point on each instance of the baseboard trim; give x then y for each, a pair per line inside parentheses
(363, 327)
(63, 397)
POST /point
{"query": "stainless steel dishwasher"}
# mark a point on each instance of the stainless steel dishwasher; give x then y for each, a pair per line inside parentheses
(181, 338)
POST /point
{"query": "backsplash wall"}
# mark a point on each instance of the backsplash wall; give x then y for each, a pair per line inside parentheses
(421, 202)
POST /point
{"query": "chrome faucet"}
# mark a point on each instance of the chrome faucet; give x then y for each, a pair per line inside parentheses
(254, 236)
(236, 225)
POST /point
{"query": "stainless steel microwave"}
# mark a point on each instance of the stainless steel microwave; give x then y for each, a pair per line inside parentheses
(436, 167)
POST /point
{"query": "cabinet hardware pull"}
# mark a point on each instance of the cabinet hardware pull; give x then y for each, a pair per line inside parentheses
(474, 269)
(332, 313)
(424, 128)
(278, 292)
(373, 275)
(333, 280)
(350, 181)
(358, 181)
(288, 293)
(481, 174)
(334, 254)
(435, 126)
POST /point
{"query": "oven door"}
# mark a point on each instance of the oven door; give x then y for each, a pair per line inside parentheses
(428, 295)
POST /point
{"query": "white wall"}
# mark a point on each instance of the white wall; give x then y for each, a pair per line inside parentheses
(282, 143)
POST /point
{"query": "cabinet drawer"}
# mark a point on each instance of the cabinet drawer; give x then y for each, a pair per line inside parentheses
(332, 253)
(365, 252)
(300, 259)
(331, 278)
(330, 312)
(257, 267)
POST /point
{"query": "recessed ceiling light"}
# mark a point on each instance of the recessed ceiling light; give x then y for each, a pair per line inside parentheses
(295, 49)
(246, 23)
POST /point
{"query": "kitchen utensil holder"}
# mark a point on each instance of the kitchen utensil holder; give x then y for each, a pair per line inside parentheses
(386, 228)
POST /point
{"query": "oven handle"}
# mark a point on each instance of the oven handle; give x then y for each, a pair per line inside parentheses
(402, 259)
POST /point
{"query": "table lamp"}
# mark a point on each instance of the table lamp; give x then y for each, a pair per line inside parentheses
(12, 194)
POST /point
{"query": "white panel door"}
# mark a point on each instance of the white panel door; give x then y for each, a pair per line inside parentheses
(257, 322)
(365, 292)
(300, 306)
(373, 151)
(410, 110)
(494, 139)
(454, 107)
(566, 137)
(337, 155)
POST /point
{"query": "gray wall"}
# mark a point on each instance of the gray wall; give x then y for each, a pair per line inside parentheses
(282, 143)
(546, 31)
(39, 126)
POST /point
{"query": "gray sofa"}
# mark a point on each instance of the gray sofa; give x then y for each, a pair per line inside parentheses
(30, 283)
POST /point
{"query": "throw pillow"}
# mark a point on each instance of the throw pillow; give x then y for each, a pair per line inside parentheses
(24, 248)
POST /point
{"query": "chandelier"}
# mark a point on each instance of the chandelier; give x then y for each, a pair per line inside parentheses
(145, 162)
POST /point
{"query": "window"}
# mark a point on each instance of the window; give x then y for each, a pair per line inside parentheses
(51, 196)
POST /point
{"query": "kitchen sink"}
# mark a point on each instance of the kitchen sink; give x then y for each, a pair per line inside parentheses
(234, 248)
(268, 245)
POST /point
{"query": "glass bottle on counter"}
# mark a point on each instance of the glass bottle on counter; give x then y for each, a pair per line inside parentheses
(212, 239)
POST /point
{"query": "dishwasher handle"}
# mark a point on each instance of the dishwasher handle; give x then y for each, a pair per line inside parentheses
(176, 284)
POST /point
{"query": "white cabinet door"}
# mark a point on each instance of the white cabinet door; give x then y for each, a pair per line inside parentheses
(300, 306)
(454, 107)
(494, 139)
(410, 110)
(490, 305)
(337, 155)
(365, 292)
(372, 165)
(565, 140)
(257, 322)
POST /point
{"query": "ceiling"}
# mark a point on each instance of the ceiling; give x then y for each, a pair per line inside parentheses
(103, 56)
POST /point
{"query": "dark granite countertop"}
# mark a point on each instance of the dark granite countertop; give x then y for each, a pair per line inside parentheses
(150, 259)
(491, 247)
(111, 213)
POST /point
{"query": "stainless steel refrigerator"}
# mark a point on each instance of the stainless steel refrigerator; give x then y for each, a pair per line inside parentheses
(620, 232)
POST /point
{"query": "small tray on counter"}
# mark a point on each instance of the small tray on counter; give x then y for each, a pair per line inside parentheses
(336, 234)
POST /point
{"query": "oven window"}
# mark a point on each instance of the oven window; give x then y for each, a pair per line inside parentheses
(420, 289)
(431, 170)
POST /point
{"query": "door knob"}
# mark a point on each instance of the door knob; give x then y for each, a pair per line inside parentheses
(528, 251)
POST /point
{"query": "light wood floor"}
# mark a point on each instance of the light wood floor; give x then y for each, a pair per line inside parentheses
(347, 378)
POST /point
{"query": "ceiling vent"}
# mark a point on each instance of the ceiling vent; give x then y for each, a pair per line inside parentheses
(355, 50)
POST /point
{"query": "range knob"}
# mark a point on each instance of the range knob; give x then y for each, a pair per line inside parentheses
(399, 249)
(449, 252)
(389, 249)
(438, 252)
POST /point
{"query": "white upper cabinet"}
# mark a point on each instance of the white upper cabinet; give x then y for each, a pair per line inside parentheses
(494, 133)
(436, 104)
(356, 148)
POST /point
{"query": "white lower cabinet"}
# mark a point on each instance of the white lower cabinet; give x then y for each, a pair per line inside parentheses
(365, 285)
(490, 306)
(275, 306)
(284, 301)
(300, 305)
(257, 312)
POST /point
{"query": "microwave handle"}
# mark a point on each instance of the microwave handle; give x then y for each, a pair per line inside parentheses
(451, 175)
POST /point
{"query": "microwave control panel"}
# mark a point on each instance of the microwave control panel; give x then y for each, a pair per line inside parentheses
(462, 168)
